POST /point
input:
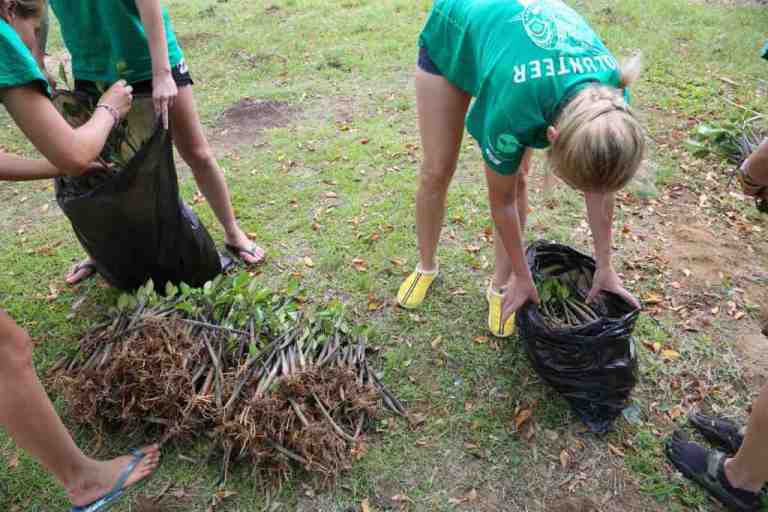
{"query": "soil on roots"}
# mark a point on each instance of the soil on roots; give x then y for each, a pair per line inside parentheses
(119, 388)
(313, 419)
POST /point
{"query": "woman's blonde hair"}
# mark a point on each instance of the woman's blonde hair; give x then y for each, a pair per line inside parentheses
(21, 8)
(600, 143)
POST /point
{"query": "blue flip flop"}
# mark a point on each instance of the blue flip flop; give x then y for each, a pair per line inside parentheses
(118, 490)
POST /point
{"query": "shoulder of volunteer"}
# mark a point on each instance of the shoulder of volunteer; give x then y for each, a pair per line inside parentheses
(17, 65)
(502, 151)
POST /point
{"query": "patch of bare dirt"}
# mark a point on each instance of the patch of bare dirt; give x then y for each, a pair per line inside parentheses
(194, 40)
(244, 122)
(694, 247)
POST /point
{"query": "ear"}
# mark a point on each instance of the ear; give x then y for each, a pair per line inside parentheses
(8, 10)
(552, 134)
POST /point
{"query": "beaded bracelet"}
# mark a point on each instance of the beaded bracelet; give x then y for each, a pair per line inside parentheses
(112, 110)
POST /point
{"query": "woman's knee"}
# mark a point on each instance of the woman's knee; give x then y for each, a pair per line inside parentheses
(198, 156)
(15, 350)
(436, 175)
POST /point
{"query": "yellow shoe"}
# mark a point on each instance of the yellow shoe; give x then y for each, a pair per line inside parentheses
(414, 289)
(495, 301)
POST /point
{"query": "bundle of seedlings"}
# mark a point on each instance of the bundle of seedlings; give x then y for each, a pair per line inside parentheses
(563, 306)
(734, 142)
(308, 404)
(232, 361)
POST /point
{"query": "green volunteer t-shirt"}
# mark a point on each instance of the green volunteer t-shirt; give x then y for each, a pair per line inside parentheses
(17, 65)
(764, 51)
(519, 59)
(107, 41)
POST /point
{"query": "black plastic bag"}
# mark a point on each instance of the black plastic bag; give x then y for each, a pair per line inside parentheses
(130, 219)
(593, 366)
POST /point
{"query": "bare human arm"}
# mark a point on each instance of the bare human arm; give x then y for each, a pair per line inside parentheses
(502, 195)
(164, 89)
(68, 149)
(600, 215)
(13, 168)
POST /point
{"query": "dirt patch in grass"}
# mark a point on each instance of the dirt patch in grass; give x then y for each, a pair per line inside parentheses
(194, 40)
(244, 122)
(695, 247)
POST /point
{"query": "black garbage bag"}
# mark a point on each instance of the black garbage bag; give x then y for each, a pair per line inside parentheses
(130, 219)
(593, 366)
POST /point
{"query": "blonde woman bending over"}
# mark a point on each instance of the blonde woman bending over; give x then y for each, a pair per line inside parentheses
(540, 77)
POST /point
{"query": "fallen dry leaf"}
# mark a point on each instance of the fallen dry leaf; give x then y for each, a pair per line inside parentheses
(470, 497)
(417, 419)
(13, 461)
(331, 195)
(360, 264)
(481, 340)
(54, 293)
(365, 506)
(653, 298)
(615, 450)
(522, 417)
(308, 262)
(670, 355)
(565, 459)
(436, 342)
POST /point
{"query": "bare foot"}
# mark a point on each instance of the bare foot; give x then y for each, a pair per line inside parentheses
(247, 251)
(80, 272)
(103, 475)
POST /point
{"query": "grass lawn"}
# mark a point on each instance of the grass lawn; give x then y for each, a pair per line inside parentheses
(310, 106)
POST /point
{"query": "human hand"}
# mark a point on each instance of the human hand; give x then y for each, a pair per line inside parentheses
(606, 279)
(520, 290)
(119, 97)
(164, 92)
(51, 80)
(98, 166)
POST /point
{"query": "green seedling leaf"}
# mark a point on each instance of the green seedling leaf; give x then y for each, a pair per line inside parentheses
(63, 76)
(121, 68)
(696, 148)
(170, 289)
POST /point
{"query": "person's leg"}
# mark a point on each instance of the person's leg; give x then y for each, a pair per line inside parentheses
(441, 108)
(194, 148)
(503, 267)
(748, 470)
(28, 416)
